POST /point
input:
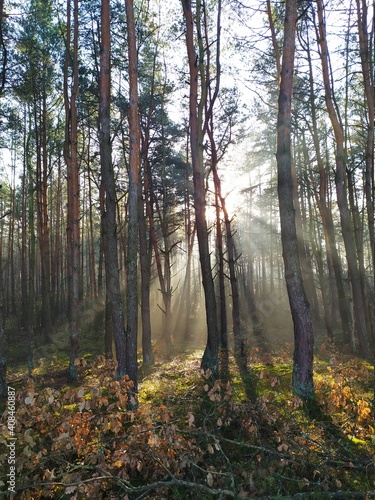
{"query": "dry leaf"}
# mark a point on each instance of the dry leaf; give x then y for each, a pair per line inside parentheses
(70, 489)
(29, 400)
(210, 479)
(191, 419)
(49, 474)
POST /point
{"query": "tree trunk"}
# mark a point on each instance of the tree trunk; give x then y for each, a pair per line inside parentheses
(32, 253)
(145, 251)
(93, 281)
(45, 229)
(302, 229)
(221, 271)
(210, 358)
(113, 292)
(134, 162)
(303, 331)
(145, 244)
(366, 44)
(189, 236)
(71, 158)
(24, 242)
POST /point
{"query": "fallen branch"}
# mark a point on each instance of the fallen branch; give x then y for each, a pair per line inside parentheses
(253, 447)
(140, 489)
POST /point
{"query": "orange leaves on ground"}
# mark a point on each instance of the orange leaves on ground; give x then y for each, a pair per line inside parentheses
(73, 435)
(80, 423)
(90, 424)
(338, 394)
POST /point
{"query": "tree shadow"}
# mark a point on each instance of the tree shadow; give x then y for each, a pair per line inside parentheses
(248, 378)
(346, 452)
(241, 356)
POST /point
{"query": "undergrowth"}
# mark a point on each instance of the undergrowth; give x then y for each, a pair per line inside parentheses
(191, 436)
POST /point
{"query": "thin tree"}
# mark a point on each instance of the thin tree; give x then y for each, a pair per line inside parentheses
(196, 106)
(113, 292)
(302, 381)
(366, 42)
(134, 162)
(71, 159)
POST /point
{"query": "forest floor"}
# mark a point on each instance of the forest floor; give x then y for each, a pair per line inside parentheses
(193, 437)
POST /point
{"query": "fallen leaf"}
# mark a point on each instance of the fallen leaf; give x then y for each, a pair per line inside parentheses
(210, 479)
(191, 419)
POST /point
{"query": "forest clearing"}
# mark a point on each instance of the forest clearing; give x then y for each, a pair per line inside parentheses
(187, 249)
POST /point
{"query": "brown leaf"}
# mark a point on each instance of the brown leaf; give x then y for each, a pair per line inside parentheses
(49, 474)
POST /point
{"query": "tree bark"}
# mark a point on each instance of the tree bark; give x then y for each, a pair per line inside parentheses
(366, 43)
(210, 358)
(134, 162)
(302, 381)
(145, 250)
(113, 292)
(71, 159)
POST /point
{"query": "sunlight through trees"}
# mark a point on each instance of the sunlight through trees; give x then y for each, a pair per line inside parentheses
(181, 177)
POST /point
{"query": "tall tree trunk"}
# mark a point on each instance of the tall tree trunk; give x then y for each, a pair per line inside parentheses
(45, 229)
(303, 384)
(145, 250)
(93, 280)
(341, 190)
(317, 251)
(71, 158)
(189, 236)
(113, 292)
(210, 358)
(304, 251)
(134, 163)
(32, 253)
(221, 270)
(167, 231)
(366, 43)
(24, 245)
(42, 225)
(145, 241)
